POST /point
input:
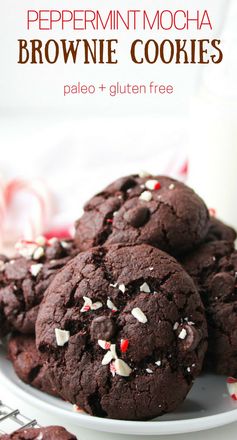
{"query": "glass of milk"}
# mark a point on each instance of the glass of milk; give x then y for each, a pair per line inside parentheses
(213, 134)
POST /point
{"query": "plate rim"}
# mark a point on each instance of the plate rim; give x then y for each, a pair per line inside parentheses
(127, 427)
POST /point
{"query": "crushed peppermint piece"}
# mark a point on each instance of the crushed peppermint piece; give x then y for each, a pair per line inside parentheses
(108, 357)
(172, 186)
(214, 258)
(41, 240)
(115, 213)
(139, 315)
(193, 365)
(212, 212)
(122, 287)
(188, 369)
(176, 325)
(145, 288)
(143, 174)
(25, 250)
(112, 369)
(146, 196)
(191, 323)
(97, 305)
(148, 370)
(114, 285)
(232, 387)
(104, 344)
(89, 305)
(183, 334)
(151, 268)
(62, 336)
(152, 184)
(158, 363)
(40, 436)
(113, 351)
(111, 305)
(77, 408)
(124, 345)
(66, 244)
(35, 269)
(121, 368)
(38, 253)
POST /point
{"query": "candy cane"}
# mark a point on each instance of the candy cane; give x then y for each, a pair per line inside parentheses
(2, 210)
(41, 209)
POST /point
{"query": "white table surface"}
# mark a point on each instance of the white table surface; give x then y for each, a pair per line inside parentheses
(227, 432)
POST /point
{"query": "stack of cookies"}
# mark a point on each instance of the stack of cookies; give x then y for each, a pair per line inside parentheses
(125, 314)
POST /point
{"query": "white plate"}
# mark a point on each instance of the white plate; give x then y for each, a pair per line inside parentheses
(207, 406)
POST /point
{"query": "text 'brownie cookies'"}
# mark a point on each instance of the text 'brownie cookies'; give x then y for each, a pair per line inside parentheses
(49, 433)
(24, 279)
(144, 209)
(28, 364)
(214, 269)
(123, 331)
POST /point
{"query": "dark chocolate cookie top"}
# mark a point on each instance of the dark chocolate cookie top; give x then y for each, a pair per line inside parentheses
(123, 331)
(220, 231)
(24, 279)
(49, 433)
(156, 210)
(27, 362)
(214, 269)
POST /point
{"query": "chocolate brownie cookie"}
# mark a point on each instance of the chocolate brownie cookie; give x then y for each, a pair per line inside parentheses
(220, 231)
(156, 210)
(24, 279)
(28, 364)
(123, 331)
(214, 268)
(49, 433)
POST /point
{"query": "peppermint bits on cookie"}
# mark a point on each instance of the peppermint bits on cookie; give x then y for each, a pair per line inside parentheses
(139, 315)
(62, 337)
(116, 362)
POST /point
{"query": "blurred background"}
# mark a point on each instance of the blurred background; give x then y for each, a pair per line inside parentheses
(57, 151)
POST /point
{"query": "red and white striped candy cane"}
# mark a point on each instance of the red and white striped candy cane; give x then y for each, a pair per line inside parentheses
(39, 212)
(2, 210)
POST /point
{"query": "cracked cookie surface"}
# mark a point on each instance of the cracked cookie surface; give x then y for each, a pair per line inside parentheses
(220, 231)
(123, 331)
(24, 279)
(156, 210)
(28, 363)
(214, 269)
